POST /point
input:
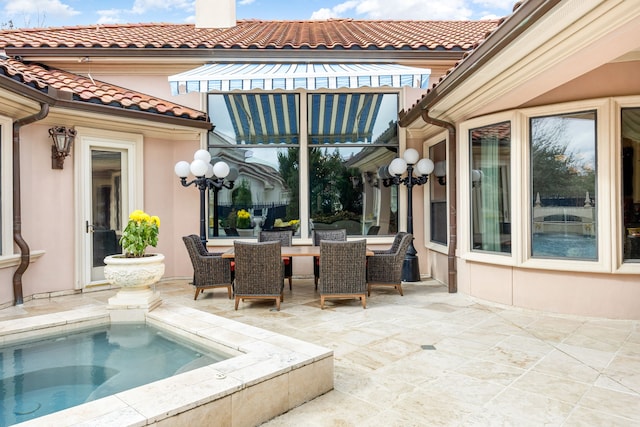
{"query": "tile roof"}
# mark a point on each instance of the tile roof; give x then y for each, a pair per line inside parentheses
(258, 34)
(85, 89)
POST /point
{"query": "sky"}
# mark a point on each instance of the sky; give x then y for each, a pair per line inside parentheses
(54, 13)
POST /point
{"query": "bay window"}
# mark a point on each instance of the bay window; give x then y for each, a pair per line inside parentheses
(490, 173)
(438, 211)
(563, 186)
(630, 130)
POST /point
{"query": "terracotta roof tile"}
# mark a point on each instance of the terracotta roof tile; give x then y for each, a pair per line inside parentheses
(251, 34)
(94, 91)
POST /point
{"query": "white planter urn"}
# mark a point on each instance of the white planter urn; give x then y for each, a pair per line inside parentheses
(134, 277)
(245, 232)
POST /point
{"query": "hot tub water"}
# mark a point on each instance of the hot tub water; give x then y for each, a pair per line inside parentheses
(44, 376)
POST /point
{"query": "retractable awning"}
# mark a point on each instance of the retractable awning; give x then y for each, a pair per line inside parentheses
(272, 118)
(290, 76)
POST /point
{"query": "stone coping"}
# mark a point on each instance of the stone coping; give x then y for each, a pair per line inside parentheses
(274, 371)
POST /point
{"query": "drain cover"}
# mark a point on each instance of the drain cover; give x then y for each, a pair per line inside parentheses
(428, 347)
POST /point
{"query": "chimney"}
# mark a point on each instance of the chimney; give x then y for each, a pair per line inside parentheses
(215, 13)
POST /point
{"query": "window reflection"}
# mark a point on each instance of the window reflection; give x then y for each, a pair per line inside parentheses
(258, 134)
(345, 191)
(630, 119)
(491, 187)
(563, 175)
(438, 194)
(266, 188)
(350, 135)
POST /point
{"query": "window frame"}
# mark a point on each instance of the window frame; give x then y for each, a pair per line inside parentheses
(603, 169)
(433, 180)
(464, 186)
(304, 145)
(608, 128)
(617, 223)
(6, 181)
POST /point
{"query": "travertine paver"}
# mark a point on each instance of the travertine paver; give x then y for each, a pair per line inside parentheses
(491, 365)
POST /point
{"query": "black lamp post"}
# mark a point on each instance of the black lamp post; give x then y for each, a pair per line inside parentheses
(392, 175)
(207, 177)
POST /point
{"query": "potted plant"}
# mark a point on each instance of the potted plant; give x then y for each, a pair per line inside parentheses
(134, 268)
(141, 231)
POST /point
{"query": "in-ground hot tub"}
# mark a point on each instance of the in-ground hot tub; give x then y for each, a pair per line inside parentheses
(269, 375)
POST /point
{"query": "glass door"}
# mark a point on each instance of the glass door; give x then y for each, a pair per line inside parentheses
(108, 184)
(105, 221)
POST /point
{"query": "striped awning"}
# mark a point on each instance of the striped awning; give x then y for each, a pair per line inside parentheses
(273, 118)
(264, 118)
(343, 117)
(290, 76)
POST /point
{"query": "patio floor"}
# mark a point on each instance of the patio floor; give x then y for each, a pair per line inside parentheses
(431, 358)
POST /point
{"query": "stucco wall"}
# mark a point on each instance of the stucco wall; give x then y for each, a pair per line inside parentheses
(614, 296)
(48, 214)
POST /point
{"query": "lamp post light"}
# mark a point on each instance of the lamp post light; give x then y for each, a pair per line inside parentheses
(392, 175)
(207, 177)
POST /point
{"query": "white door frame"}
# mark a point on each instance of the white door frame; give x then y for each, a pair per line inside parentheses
(88, 139)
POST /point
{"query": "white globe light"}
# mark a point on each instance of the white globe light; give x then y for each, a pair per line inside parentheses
(198, 167)
(397, 166)
(209, 173)
(411, 156)
(476, 175)
(424, 167)
(182, 169)
(221, 169)
(202, 155)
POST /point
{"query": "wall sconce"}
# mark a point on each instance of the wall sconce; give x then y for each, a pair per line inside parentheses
(63, 138)
(440, 171)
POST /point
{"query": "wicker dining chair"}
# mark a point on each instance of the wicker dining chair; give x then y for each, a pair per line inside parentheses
(210, 270)
(343, 270)
(259, 272)
(338, 235)
(286, 239)
(385, 266)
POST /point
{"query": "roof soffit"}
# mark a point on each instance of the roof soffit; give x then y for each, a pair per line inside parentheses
(570, 40)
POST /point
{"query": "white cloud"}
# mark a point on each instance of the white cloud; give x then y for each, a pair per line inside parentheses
(405, 9)
(35, 12)
(53, 7)
(142, 7)
(109, 16)
(496, 4)
(324, 13)
(491, 16)
(245, 2)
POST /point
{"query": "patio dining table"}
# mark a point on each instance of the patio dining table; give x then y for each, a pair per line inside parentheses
(292, 251)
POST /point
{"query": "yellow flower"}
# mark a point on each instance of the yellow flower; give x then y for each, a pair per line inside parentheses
(136, 215)
(141, 231)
